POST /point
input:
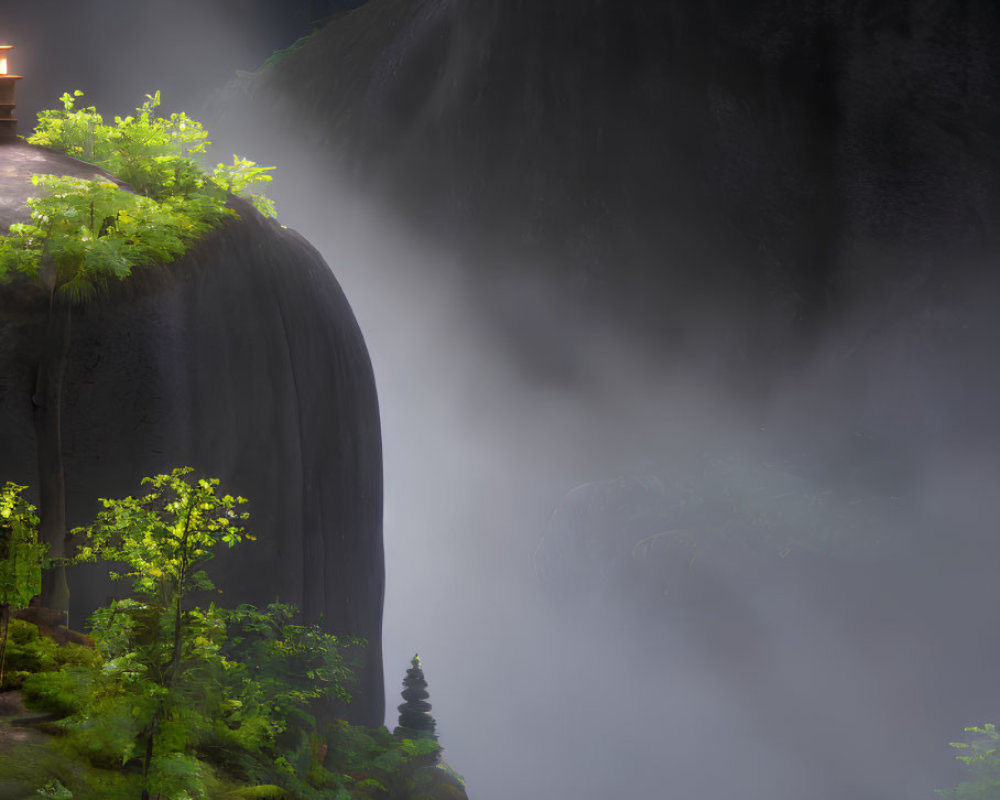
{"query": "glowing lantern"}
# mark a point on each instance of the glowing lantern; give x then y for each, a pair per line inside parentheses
(8, 124)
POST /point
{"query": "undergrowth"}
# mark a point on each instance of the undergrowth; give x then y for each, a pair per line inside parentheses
(178, 701)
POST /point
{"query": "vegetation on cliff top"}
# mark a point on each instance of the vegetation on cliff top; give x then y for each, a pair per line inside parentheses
(85, 233)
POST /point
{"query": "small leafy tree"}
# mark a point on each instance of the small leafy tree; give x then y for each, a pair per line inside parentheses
(182, 687)
(191, 701)
(163, 651)
(20, 558)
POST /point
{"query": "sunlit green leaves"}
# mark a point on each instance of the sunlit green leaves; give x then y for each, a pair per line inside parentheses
(91, 232)
(162, 535)
(156, 156)
(204, 686)
(79, 132)
(241, 177)
(84, 234)
(21, 554)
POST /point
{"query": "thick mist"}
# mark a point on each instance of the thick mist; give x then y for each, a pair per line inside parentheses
(549, 679)
(512, 558)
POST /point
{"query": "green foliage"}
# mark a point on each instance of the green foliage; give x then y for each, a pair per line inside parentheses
(28, 653)
(21, 557)
(287, 667)
(261, 792)
(156, 156)
(164, 535)
(980, 755)
(62, 693)
(163, 678)
(55, 791)
(85, 233)
(182, 683)
(178, 776)
(376, 763)
(21, 554)
(30, 771)
(152, 154)
(239, 177)
(199, 703)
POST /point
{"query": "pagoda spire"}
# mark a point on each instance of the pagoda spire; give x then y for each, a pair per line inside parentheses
(415, 720)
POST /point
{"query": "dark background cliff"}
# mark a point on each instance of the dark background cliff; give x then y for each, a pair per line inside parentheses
(760, 164)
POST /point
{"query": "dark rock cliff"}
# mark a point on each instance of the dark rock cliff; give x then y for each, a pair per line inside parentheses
(684, 167)
(244, 361)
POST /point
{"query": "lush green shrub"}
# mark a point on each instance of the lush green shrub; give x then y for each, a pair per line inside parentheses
(84, 234)
(29, 652)
(21, 556)
(156, 156)
(182, 685)
(198, 703)
(62, 693)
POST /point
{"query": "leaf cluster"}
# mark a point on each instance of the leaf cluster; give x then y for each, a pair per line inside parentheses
(223, 696)
(377, 764)
(285, 668)
(163, 536)
(154, 155)
(189, 681)
(29, 653)
(157, 156)
(241, 177)
(21, 554)
(84, 234)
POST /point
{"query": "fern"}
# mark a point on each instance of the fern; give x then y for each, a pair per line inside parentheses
(85, 234)
(91, 232)
(238, 178)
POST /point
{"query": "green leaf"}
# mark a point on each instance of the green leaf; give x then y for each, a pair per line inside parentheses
(92, 233)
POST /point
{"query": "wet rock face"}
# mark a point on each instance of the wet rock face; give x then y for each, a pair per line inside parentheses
(765, 160)
(244, 361)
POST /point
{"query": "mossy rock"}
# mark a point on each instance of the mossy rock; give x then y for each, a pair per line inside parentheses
(58, 693)
(262, 792)
(29, 652)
